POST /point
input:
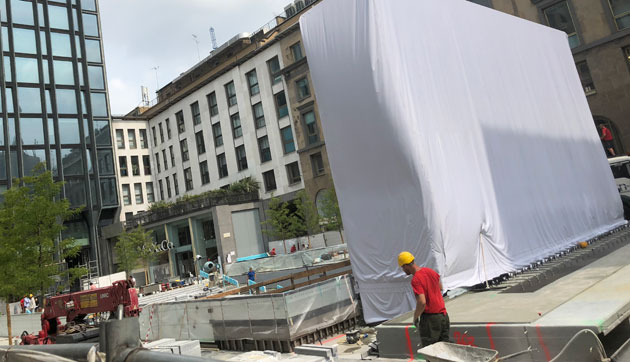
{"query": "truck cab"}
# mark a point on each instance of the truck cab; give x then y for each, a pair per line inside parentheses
(620, 167)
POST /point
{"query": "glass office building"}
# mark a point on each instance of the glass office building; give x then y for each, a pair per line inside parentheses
(55, 108)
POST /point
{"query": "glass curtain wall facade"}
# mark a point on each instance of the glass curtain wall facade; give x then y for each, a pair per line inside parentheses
(55, 107)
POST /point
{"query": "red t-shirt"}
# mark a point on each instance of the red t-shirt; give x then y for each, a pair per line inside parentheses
(607, 135)
(426, 281)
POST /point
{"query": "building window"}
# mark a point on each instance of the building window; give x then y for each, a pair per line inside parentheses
(293, 173)
(264, 149)
(170, 149)
(559, 17)
(181, 126)
(143, 139)
(212, 103)
(218, 136)
(183, 145)
(157, 162)
(166, 160)
(196, 114)
(252, 81)
(317, 163)
(274, 69)
(120, 139)
(150, 194)
(131, 136)
(168, 128)
(188, 180)
(161, 189)
(237, 131)
(296, 50)
(230, 93)
(311, 129)
(126, 191)
(175, 184)
(168, 187)
(201, 145)
(135, 166)
(161, 132)
(281, 105)
(122, 165)
(222, 165)
(147, 165)
(241, 158)
(138, 191)
(626, 52)
(303, 91)
(205, 174)
(259, 115)
(208, 230)
(269, 180)
(621, 12)
(287, 140)
(585, 77)
(154, 136)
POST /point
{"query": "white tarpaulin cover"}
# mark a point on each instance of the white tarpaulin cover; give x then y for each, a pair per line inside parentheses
(456, 132)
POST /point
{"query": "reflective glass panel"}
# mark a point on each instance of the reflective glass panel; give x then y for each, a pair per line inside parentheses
(31, 158)
(101, 132)
(75, 191)
(3, 9)
(12, 136)
(42, 39)
(75, 19)
(7, 69)
(22, 12)
(9, 94)
(90, 25)
(108, 191)
(48, 102)
(77, 41)
(83, 107)
(26, 70)
(69, 131)
(1, 132)
(99, 105)
(46, 73)
(105, 162)
(29, 100)
(24, 41)
(58, 17)
(86, 131)
(3, 166)
(32, 131)
(51, 131)
(60, 44)
(64, 72)
(88, 5)
(93, 50)
(88, 159)
(14, 163)
(66, 101)
(40, 15)
(5, 37)
(53, 162)
(72, 161)
(95, 75)
(80, 64)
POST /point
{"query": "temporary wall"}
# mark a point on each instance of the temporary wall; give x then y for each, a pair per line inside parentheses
(456, 132)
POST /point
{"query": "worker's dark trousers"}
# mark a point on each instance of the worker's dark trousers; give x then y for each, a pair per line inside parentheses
(434, 328)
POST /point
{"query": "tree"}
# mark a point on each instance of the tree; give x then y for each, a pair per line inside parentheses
(331, 214)
(281, 223)
(135, 248)
(31, 247)
(308, 214)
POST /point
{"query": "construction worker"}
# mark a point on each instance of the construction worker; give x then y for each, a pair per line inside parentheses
(430, 317)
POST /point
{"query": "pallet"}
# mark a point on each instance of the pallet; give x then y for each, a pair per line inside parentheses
(288, 345)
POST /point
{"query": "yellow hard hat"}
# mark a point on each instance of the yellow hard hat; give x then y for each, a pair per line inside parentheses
(405, 258)
(31, 295)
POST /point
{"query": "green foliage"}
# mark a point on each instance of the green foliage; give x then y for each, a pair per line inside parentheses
(307, 212)
(135, 248)
(331, 214)
(246, 185)
(281, 223)
(31, 222)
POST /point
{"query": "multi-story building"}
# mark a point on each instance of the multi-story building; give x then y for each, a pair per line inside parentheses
(55, 109)
(133, 165)
(598, 32)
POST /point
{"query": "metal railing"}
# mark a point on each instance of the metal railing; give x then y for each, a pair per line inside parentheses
(189, 206)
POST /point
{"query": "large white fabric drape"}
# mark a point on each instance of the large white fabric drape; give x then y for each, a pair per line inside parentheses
(456, 132)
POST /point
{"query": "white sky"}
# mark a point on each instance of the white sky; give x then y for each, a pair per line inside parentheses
(141, 34)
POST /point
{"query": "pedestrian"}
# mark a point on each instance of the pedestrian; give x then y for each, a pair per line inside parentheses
(33, 304)
(272, 252)
(27, 304)
(430, 317)
(22, 304)
(251, 275)
(607, 140)
(92, 286)
(131, 281)
(293, 249)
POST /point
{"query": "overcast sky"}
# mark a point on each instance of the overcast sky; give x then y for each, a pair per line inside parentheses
(142, 34)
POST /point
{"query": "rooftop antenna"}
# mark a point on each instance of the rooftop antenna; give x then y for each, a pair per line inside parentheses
(196, 40)
(157, 84)
(213, 38)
